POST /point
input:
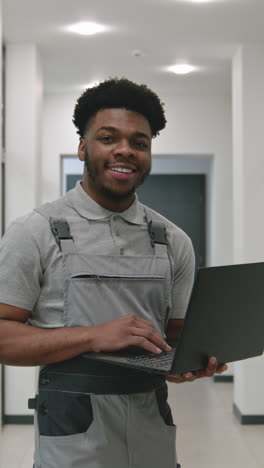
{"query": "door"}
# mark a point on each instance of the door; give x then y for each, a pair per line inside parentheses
(181, 199)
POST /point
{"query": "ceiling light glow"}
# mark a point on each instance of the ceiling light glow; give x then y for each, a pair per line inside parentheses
(92, 84)
(86, 28)
(182, 68)
(201, 1)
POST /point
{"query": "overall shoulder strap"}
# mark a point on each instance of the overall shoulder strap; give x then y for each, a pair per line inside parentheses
(59, 226)
(158, 234)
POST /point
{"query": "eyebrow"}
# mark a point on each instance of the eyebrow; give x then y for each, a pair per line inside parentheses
(115, 130)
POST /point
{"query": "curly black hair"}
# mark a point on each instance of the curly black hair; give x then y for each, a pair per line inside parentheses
(119, 93)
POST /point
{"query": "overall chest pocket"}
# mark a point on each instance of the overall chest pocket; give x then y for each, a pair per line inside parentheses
(94, 299)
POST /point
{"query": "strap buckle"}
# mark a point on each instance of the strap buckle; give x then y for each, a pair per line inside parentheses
(60, 229)
(33, 403)
(158, 233)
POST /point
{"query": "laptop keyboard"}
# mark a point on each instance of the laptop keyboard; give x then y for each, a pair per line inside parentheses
(138, 359)
(151, 360)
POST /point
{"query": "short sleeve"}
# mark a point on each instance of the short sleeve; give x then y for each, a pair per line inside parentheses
(20, 266)
(183, 279)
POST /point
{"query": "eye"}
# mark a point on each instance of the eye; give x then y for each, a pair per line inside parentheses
(106, 139)
(141, 144)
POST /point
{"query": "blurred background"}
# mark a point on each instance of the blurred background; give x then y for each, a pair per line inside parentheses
(205, 60)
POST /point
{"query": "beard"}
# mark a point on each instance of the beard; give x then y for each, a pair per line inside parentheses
(93, 173)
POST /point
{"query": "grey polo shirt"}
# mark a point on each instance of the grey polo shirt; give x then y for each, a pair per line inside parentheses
(31, 274)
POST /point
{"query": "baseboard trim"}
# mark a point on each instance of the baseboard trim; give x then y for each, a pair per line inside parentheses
(223, 378)
(18, 419)
(247, 418)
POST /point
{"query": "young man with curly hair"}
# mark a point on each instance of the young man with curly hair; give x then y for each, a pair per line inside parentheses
(84, 276)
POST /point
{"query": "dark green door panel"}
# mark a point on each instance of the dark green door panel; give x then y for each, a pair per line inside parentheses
(181, 199)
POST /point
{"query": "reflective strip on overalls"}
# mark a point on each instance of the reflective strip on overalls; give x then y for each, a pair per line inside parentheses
(95, 415)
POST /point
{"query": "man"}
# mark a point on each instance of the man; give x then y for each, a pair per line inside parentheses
(82, 274)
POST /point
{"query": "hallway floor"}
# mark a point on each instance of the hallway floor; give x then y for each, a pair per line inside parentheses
(208, 435)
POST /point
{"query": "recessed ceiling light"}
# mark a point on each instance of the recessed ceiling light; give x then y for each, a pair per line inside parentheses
(86, 28)
(182, 68)
(201, 1)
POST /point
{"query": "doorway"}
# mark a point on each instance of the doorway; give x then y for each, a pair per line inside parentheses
(181, 199)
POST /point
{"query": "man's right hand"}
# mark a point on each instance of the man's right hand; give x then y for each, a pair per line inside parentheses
(23, 345)
(125, 331)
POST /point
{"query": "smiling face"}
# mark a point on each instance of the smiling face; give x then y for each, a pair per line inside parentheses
(117, 154)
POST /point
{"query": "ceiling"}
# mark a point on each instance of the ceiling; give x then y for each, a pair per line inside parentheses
(165, 31)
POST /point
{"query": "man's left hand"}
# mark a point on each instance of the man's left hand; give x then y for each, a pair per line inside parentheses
(211, 369)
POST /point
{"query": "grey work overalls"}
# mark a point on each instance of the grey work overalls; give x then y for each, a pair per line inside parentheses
(97, 416)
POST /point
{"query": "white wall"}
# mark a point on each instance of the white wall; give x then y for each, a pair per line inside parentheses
(23, 129)
(197, 126)
(248, 144)
(23, 155)
(0, 181)
(58, 137)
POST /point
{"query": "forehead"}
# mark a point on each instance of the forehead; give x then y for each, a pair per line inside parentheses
(121, 119)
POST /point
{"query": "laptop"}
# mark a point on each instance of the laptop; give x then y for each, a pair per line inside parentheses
(224, 319)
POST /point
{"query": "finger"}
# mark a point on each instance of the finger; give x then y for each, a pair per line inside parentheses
(212, 363)
(143, 343)
(189, 376)
(222, 368)
(140, 322)
(211, 367)
(180, 378)
(177, 378)
(152, 337)
(199, 374)
(146, 331)
(209, 371)
(145, 325)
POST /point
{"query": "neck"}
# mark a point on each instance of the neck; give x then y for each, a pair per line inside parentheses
(108, 200)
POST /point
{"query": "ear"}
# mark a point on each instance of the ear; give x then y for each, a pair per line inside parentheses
(81, 149)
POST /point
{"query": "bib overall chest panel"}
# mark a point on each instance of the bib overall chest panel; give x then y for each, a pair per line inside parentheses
(101, 288)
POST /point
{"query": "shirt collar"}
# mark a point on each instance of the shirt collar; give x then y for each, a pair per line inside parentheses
(88, 208)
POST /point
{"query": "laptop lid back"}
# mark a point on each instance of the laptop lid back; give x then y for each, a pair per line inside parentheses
(225, 317)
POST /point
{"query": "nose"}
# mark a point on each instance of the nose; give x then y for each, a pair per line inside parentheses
(124, 148)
